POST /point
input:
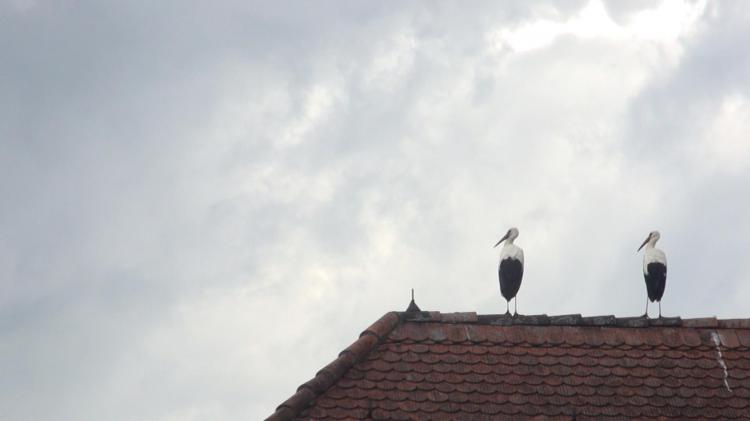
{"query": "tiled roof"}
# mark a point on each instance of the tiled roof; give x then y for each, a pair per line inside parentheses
(428, 365)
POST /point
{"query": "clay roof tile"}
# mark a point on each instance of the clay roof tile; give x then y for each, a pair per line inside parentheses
(417, 365)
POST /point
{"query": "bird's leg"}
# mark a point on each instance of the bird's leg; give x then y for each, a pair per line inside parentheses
(660, 309)
(515, 307)
(507, 307)
(646, 313)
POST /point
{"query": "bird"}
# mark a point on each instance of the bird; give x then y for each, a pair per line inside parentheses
(510, 269)
(654, 270)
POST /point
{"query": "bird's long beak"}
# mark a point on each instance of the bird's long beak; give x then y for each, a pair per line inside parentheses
(501, 240)
(644, 242)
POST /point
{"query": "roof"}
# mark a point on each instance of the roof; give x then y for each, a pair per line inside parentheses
(428, 365)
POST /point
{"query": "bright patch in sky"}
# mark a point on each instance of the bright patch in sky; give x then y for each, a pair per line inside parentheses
(318, 103)
(664, 24)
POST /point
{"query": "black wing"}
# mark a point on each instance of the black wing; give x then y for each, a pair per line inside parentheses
(656, 280)
(511, 274)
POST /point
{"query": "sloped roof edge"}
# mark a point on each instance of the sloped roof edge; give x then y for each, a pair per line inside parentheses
(327, 376)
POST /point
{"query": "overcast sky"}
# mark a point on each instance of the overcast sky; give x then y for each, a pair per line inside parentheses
(204, 202)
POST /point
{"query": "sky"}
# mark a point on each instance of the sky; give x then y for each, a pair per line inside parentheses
(203, 203)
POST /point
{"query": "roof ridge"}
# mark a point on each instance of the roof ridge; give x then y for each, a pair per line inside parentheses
(368, 340)
(573, 320)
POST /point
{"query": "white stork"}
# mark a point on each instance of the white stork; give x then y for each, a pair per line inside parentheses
(654, 270)
(510, 269)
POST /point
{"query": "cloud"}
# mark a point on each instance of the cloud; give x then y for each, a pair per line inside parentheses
(204, 205)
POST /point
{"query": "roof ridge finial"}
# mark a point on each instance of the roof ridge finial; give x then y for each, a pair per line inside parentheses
(413, 307)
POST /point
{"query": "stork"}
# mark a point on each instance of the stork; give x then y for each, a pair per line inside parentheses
(510, 269)
(654, 270)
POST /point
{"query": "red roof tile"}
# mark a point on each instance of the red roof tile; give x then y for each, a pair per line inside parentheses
(428, 365)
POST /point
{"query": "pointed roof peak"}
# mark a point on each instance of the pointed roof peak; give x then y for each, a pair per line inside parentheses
(413, 307)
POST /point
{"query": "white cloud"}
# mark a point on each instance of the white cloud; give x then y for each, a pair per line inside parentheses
(392, 62)
(663, 24)
(318, 103)
(723, 145)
